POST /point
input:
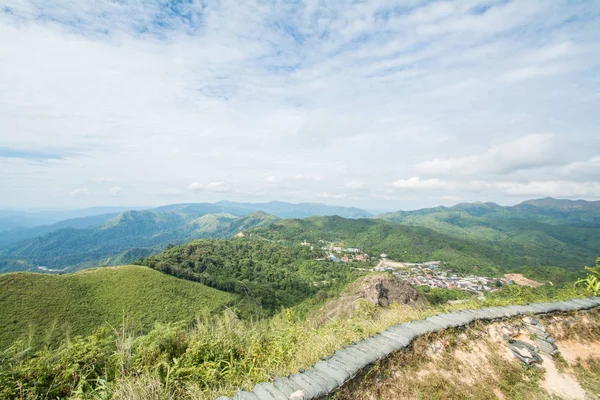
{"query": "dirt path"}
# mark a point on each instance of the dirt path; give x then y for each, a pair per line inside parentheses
(560, 384)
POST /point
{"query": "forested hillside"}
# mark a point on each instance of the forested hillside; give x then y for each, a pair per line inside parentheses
(466, 246)
(544, 237)
(270, 274)
(44, 308)
(536, 233)
(579, 213)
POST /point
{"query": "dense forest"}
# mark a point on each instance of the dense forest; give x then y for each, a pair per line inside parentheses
(270, 274)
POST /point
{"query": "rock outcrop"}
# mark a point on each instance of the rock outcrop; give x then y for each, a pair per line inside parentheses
(373, 291)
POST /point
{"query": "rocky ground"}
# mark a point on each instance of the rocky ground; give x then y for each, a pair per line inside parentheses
(554, 356)
(376, 290)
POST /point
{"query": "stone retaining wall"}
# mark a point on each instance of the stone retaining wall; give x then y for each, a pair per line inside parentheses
(330, 373)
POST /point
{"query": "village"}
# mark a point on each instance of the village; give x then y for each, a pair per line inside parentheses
(432, 275)
(429, 273)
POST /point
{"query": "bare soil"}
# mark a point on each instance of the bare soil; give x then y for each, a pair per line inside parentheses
(476, 363)
(377, 290)
(521, 280)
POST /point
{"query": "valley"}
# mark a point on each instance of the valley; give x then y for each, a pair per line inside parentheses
(218, 301)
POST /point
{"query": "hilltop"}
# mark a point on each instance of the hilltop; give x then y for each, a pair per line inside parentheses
(47, 307)
(547, 210)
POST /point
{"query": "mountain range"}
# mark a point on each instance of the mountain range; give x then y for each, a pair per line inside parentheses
(546, 232)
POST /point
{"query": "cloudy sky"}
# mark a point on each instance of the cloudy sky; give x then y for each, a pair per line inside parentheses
(377, 104)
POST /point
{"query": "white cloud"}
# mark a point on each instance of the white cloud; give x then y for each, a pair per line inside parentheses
(353, 185)
(171, 192)
(534, 71)
(329, 97)
(418, 183)
(552, 188)
(219, 186)
(79, 193)
(455, 199)
(529, 151)
(327, 195)
(583, 170)
(542, 188)
(115, 191)
(196, 186)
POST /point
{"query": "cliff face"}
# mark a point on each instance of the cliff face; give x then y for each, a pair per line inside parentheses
(371, 291)
(480, 362)
(383, 290)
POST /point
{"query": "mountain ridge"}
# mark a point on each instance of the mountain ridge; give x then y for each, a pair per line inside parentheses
(122, 239)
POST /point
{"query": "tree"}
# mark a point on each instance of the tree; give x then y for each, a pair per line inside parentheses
(592, 282)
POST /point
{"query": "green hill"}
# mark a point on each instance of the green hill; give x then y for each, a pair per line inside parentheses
(537, 233)
(400, 242)
(48, 306)
(577, 213)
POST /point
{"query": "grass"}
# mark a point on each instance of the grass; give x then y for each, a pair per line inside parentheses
(199, 358)
(42, 308)
(215, 355)
(589, 375)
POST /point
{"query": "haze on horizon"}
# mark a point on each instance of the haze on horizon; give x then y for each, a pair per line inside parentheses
(378, 105)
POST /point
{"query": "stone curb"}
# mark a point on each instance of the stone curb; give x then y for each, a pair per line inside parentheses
(332, 372)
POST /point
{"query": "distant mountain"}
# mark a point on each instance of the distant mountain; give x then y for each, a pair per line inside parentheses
(121, 239)
(111, 239)
(561, 204)
(547, 210)
(19, 225)
(278, 208)
(18, 234)
(546, 232)
(301, 210)
(575, 212)
(11, 219)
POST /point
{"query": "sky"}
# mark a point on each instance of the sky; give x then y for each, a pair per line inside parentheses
(375, 104)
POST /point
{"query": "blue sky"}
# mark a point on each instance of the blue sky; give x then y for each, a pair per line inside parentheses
(381, 104)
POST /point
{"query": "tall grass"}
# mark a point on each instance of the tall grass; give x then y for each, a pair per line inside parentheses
(212, 356)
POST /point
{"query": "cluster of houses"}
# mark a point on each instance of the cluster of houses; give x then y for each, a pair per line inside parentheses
(430, 274)
(350, 254)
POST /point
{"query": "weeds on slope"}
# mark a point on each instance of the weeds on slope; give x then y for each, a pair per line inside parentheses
(214, 355)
